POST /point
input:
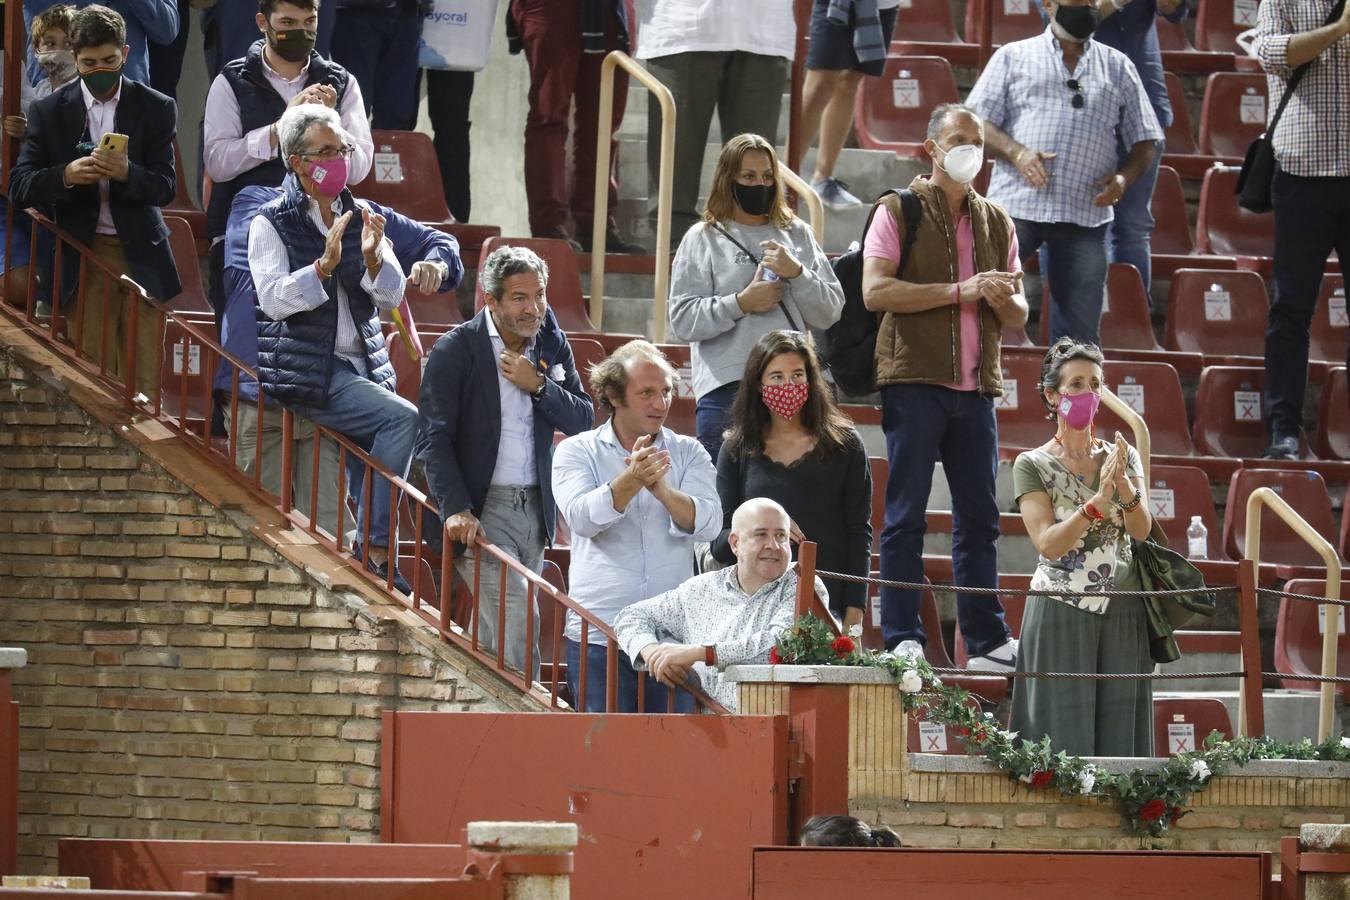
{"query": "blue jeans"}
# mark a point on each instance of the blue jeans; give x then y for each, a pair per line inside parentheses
(1130, 237)
(925, 423)
(1075, 262)
(654, 697)
(380, 422)
(379, 48)
(1312, 218)
(712, 416)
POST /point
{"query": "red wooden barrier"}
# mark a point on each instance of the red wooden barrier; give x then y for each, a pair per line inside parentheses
(808, 873)
(670, 803)
(9, 777)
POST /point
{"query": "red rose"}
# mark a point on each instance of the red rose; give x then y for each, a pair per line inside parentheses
(1153, 810)
(842, 645)
(774, 658)
(1041, 779)
(1174, 814)
(981, 736)
(963, 731)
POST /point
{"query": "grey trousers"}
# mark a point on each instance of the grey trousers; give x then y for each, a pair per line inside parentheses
(746, 89)
(513, 520)
(246, 457)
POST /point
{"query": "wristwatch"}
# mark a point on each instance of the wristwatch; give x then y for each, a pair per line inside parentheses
(538, 393)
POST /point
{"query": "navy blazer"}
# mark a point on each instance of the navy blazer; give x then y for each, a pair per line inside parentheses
(56, 123)
(461, 415)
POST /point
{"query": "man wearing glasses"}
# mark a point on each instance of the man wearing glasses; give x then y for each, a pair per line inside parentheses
(1053, 107)
(323, 270)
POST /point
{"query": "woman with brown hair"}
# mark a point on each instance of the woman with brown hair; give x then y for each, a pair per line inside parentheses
(790, 443)
(750, 267)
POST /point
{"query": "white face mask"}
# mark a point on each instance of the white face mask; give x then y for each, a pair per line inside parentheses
(963, 163)
(58, 64)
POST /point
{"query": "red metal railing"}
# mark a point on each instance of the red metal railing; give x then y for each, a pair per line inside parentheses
(182, 400)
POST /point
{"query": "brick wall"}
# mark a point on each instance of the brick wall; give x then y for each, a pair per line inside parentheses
(186, 679)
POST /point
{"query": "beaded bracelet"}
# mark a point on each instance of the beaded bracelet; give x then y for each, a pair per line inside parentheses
(1133, 504)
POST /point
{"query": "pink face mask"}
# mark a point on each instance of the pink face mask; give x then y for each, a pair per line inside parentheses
(785, 399)
(329, 177)
(1078, 410)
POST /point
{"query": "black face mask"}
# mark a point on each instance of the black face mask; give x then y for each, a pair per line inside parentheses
(293, 44)
(754, 199)
(1078, 22)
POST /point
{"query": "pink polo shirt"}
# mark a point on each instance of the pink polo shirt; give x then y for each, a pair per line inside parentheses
(883, 242)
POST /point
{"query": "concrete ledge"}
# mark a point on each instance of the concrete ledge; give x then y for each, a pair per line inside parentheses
(13, 657)
(808, 675)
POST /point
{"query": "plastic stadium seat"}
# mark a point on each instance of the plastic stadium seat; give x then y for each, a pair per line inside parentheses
(1224, 227)
(433, 312)
(586, 353)
(1154, 390)
(892, 111)
(925, 28)
(183, 205)
(1180, 137)
(881, 472)
(184, 248)
(1021, 414)
(1202, 714)
(1172, 232)
(1333, 418)
(1228, 418)
(682, 419)
(1305, 491)
(1219, 314)
(424, 584)
(406, 176)
(1219, 22)
(1175, 494)
(1298, 636)
(1330, 326)
(186, 373)
(679, 357)
(1014, 20)
(1233, 114)
(1180, 55)
(1125, 323)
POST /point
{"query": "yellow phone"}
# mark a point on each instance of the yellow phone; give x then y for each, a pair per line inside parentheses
(117, 143)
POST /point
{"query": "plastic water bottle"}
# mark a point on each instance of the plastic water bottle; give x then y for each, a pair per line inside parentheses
(1197, 539)
(767, 274)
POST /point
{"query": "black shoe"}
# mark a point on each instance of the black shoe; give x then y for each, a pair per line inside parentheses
(560, 234)
(613, 242)
(1284, 447)
(381, 571)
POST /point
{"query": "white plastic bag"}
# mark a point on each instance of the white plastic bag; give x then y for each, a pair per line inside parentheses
(457, 35)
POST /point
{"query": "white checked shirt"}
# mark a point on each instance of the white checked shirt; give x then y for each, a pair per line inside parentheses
(515, 449)
(1313, 136)
(283, 293)
(1024, 91)
(100, 118)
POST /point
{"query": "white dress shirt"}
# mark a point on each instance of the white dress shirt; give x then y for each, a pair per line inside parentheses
(619, 558)
(667, 27)
(228, 151)
(515, 449)
(282, 292)
(100, 117)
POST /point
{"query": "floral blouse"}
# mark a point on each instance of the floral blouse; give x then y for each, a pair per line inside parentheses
(1103, 558)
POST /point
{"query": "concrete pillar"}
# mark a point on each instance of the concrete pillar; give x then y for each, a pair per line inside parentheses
(11, 658)
(1326, 839)
(536, 857)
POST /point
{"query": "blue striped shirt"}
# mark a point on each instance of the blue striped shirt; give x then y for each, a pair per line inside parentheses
(1024, 91)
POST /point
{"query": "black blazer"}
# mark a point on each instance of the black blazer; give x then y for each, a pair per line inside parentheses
(460, 407)
(149, 120)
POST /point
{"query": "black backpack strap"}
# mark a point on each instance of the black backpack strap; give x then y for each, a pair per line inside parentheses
(911, 211)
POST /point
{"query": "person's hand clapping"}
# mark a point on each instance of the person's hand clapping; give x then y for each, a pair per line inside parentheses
(1124, 487)
(760, 295)
(372, 235)
(1107, 480)
(648, 465)
(778, 258)
(332, 244)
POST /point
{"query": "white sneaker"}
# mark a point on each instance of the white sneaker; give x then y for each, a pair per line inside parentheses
(1000, 659)
(909, 648)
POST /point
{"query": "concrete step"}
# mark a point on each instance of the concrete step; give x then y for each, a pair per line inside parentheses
(1200, 662)
(1290, 715)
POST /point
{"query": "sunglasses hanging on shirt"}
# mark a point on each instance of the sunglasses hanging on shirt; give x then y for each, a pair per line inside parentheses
(1077, 89)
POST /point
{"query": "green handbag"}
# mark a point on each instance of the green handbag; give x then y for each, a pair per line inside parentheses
(1163, 569)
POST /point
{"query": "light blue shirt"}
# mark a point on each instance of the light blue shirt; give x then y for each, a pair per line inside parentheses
(1024, 91)
(619, 558)
(515, 450)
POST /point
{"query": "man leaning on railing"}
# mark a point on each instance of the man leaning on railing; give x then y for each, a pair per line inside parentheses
(720, 618)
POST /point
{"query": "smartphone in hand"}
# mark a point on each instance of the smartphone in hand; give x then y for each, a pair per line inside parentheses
(114, 142)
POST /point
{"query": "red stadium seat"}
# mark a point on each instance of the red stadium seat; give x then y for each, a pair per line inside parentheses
(1191, 720)
(1175, 494)
(1225, 228)
(1233, 114)
(892, 111)
(1305, 491)
(1154, 391)
(1219, 314)
(424, 584)
(586, 353)
(1125, 323)
(406, 176)
(1021, 414)
(1330, 326)
(1333, 418)
(1219, 22)
(881, 472)
(1299, 631)
(184, 248)
(1180, 137)
(186, 373)
(183, 206)
(1180, 55)
(1228, 412)
(925, 28)
(1014, 20)
(433, 312)
(1172, 233)
(682, 417)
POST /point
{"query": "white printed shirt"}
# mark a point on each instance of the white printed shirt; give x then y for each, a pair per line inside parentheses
(667, 27)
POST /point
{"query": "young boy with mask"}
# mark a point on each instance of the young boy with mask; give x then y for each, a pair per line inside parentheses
(248, 97)
(106, 198)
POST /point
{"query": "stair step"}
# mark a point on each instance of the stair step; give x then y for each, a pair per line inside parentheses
(1290, 715)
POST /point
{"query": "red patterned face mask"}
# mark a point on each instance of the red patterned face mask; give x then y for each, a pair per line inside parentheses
(785, 399)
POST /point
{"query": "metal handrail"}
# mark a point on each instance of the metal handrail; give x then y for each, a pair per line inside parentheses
(1143, 441)
(665, 182)
(807, 193)
(1265, 497)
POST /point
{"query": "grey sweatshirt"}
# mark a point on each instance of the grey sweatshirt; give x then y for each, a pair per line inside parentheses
(708, 272)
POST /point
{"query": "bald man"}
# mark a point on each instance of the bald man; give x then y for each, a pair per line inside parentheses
(723, 618)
